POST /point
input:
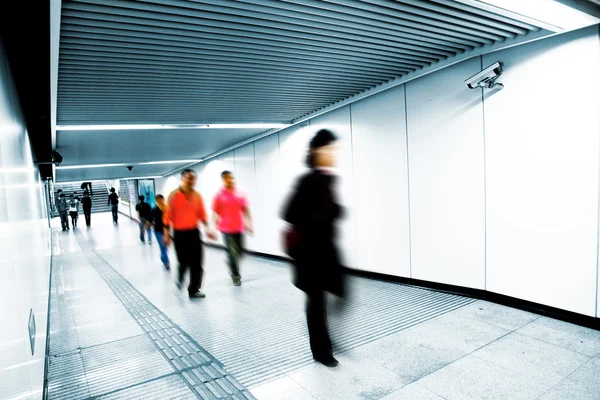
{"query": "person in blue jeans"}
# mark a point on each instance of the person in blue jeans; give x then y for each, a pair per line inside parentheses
(158, 214)
(144, 213)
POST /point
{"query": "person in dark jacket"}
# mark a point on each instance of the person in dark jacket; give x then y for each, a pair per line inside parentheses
(113, 202)
(158, 222)
(86, 204)
(312, 211)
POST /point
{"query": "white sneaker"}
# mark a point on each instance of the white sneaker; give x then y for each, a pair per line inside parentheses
(198, 295)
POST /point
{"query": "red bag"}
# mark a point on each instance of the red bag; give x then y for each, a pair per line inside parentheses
(292, 239)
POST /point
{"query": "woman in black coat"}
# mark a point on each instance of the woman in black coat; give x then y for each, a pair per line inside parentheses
(312, 212)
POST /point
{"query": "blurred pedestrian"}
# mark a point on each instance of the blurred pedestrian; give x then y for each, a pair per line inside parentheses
(86, 204)
(158, 217)
(185, 208)
(113, 202)
(232, 217)
(74, 210)
(144, 214)
(312, 212)
(62, 205)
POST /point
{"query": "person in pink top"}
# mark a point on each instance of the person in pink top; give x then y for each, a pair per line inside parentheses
(231, 215)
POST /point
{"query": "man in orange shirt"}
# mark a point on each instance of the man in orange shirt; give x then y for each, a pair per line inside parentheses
(185, 209)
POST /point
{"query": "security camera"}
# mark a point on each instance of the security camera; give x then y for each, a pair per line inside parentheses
(486, 78)
(56, 158)
(130, 167)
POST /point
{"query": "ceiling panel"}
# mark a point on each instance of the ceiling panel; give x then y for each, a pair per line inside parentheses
(132, 146)
(121, 172)
(207, 61)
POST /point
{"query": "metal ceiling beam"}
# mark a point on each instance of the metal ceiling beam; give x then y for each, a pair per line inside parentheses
(137, 12)
(399, 19)
(84, 64)
(85, 74)
(224, 52)
(458, 13)
(190, 43)
(462, 21)
(487, 14)
(217, 63)
(260, 10)
(508, 14)
(95, 21)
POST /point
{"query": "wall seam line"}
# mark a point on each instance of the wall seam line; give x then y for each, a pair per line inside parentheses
(354, 229)
(484, 186)
(408, 181)
(597, 299)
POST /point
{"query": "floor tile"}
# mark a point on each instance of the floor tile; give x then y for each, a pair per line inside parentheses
(545, 363)
(281, 389)
(474, 378)
(497, 315)
(121, 364)
(171, 387)
(460, 331)
(410, 354)
(573, 337)
(414, 391)
(570, 389)
(355, 378)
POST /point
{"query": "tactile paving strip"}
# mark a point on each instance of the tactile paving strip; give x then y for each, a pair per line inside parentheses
(204, 374)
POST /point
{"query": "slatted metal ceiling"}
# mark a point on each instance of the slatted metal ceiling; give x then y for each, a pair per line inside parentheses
(207, 61)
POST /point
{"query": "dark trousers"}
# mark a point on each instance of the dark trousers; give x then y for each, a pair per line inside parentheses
(316, 317)
(74, 217)
(88, 217)
(188, 247)
(233, 241)
(115, 212)
(64, 220)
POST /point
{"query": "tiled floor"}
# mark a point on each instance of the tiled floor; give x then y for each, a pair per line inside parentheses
(393, 341)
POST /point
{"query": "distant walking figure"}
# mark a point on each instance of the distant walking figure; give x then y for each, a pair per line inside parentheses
(86, 204)
(312, 212)
(74, 210)
(113, 202)
(62, 206)
(230, 208)
(158, 217)
(144, 213)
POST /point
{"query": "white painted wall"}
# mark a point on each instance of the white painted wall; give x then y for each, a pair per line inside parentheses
(445, 160)
(24, 252)
(520, 166)
(381, 183)
(542, 159)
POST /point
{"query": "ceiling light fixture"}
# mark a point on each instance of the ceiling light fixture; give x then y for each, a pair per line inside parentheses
(127, 164)
(548, 11)
(166, 126)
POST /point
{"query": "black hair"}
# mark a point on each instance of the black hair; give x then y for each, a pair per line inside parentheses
(159, 196)
(112, 190)
(141, 197)
(322, 138)
(59, 190)
(187, 170)
(225, 173)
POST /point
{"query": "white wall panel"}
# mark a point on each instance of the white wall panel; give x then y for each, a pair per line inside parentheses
(24, 253)
(446, 165)
(381, 183)
(542, 151)
(245, 174)
(338, 121)
(267, 209)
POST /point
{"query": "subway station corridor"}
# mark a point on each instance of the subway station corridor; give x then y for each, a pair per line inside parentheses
(120, 329)
(437, 159)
